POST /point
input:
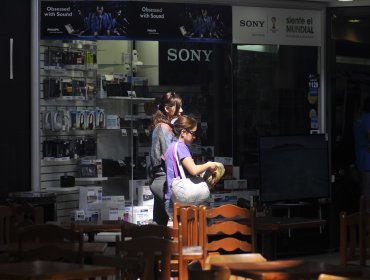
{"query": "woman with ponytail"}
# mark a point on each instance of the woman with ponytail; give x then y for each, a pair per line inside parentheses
(168, 109)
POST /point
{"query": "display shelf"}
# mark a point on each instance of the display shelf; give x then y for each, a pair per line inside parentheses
(91, 179)
(134, 99)
(62, 102)
(70, 132)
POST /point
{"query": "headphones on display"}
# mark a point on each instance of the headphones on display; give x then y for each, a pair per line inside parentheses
(60, 121)
(47, 120)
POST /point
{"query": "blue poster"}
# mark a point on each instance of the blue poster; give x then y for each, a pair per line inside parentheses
(110, 20)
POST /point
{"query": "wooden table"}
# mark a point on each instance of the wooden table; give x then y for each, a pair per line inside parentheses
(284, 223)
(288, 269)
(42, 270)
(88, 249)
(270, 226)
(92, 229)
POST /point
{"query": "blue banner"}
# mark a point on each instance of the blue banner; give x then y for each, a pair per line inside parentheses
(116, 20)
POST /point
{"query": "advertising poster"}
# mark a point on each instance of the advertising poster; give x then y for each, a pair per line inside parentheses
(109, 20)
(84, 20)
(313, 93)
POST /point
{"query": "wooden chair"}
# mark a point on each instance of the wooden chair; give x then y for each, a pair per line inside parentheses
(196, 272)
(24, 215)
(354, 244)
(189, 229)
(49, 242)
(155, 230)
(349, 244)
(220, 230)
(176, 213)
(232, 258)
(5, 218)
(153, 253)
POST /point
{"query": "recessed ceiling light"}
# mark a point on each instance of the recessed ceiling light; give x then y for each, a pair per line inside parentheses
(345, 0)
(354, 20)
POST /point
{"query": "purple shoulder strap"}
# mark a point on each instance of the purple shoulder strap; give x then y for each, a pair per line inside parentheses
(174, 162)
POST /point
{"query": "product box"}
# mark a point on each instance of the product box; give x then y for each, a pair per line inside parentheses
(86, 216)
(93, 216)
(90, 197)
(113, 201)
(78, 216)
(112, 214)
(235, 184)
(140, 215)
(113, 122)
(220, 198)
(236, 172)
(91, 168)
(78, 120)
(134, 186)
(145, 196)
(99, 118)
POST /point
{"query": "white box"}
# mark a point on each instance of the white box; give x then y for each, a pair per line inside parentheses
(134, 186)
(140, 215)
(217, 199)
(90, 197)
(145, 196)
(77, 215)
(112, 214)
(235, 184)
(99, 168)
(225, 160)
(236, 172)
(91, 216)
(113, 201)
(113, 122)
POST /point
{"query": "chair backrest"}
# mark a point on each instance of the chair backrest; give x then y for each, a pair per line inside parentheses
(151, 230)
(5, 219)
(189, 225)
(176, 213)
(24, 215)
(154, 253)
(195, 272)
(50, 242)
(220, 225)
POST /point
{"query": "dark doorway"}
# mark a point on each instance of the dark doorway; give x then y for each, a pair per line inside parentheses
(349, 84)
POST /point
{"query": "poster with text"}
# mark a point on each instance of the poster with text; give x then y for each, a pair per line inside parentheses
(109, 20)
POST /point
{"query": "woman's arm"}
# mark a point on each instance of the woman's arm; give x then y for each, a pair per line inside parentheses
(196, 169)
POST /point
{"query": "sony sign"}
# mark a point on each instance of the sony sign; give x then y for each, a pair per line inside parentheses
(188, 55)
(251, 23)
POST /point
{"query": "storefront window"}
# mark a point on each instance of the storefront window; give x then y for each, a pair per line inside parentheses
(271, 97)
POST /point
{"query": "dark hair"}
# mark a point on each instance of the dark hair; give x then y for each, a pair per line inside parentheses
(168, 99)
(183, 122)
